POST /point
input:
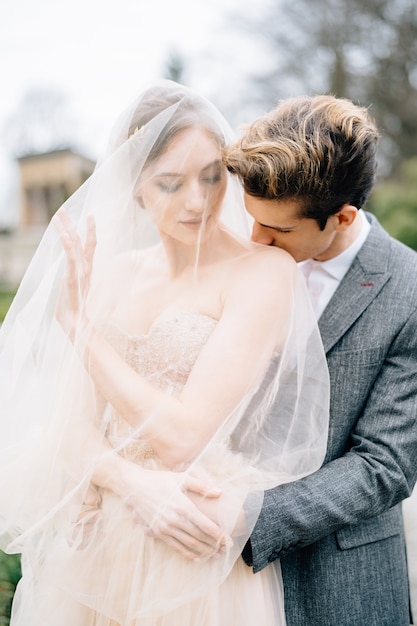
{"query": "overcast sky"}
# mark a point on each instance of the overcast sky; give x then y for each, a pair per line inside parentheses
(100, 53)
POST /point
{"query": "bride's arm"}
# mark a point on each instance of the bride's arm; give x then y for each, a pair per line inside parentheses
(254, 320)
(232, 362)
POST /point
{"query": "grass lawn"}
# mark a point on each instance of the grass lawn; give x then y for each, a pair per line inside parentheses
(6, 297)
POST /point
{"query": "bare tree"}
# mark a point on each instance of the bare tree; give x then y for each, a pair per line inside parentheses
(365, 50)
(40, 123)
(175, 67)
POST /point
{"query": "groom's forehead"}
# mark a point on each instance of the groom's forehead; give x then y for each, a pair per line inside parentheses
(280, 213)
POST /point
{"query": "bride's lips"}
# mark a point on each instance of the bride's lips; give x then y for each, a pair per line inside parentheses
(192, 224)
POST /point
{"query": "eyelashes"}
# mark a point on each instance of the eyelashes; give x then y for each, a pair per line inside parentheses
(176, 186)
(212, 180)
(168, 188)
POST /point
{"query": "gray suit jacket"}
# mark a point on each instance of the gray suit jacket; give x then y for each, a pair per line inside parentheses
(338, 533)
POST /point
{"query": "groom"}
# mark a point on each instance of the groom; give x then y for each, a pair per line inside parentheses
(307, 168)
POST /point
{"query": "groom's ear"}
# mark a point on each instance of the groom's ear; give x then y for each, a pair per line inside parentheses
(346, 216)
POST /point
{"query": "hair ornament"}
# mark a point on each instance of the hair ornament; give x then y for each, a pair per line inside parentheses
(139, 131)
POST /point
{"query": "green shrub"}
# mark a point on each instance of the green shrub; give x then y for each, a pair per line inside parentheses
(10, 573)
(394, 202)
(6, 297)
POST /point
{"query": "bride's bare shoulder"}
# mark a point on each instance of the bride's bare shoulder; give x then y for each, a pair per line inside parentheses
(261, 258)
(260, 273)
(250, 253)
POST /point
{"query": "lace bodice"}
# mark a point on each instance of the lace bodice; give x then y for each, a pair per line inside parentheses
(164, 356)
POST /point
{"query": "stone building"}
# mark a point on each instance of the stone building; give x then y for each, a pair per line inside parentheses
(45, 181)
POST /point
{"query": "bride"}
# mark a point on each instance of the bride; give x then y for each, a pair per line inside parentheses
(160, 372)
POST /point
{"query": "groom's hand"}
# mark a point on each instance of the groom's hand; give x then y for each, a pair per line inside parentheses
(183, 526)
(160, 503)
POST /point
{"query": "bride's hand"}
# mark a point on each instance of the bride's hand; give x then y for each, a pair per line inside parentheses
(160, 503)
(70, 311)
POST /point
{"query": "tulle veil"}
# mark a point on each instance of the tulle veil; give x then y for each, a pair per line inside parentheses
(276, 433)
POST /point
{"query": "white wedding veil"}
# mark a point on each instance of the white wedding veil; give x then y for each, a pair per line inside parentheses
(275, 432)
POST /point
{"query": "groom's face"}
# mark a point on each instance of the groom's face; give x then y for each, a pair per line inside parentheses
(278, 223)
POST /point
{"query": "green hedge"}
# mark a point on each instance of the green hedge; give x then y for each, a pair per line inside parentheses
(10, 574)
(6, 297)
(394, 202)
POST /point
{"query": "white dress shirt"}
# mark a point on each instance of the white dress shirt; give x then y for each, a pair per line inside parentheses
(323, 277)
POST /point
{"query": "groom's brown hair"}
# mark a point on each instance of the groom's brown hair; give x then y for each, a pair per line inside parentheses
(320, 150)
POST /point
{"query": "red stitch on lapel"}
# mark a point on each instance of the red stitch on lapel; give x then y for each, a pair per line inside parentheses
(367, 284)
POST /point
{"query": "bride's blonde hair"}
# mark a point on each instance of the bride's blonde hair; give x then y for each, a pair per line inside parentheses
(187, 112)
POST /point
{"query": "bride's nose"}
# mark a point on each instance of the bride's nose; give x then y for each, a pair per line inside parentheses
(196, 199)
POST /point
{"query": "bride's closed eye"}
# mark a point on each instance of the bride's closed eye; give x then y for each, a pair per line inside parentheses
(212, 174)
(212, 180)
(169, 187)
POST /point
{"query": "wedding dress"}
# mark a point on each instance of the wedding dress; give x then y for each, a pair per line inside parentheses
(112, 569)
(104, 568)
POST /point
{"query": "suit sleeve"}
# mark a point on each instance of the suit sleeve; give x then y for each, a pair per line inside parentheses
(376, 470)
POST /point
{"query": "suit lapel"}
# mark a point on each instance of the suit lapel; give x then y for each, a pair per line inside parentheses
(361, 284)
